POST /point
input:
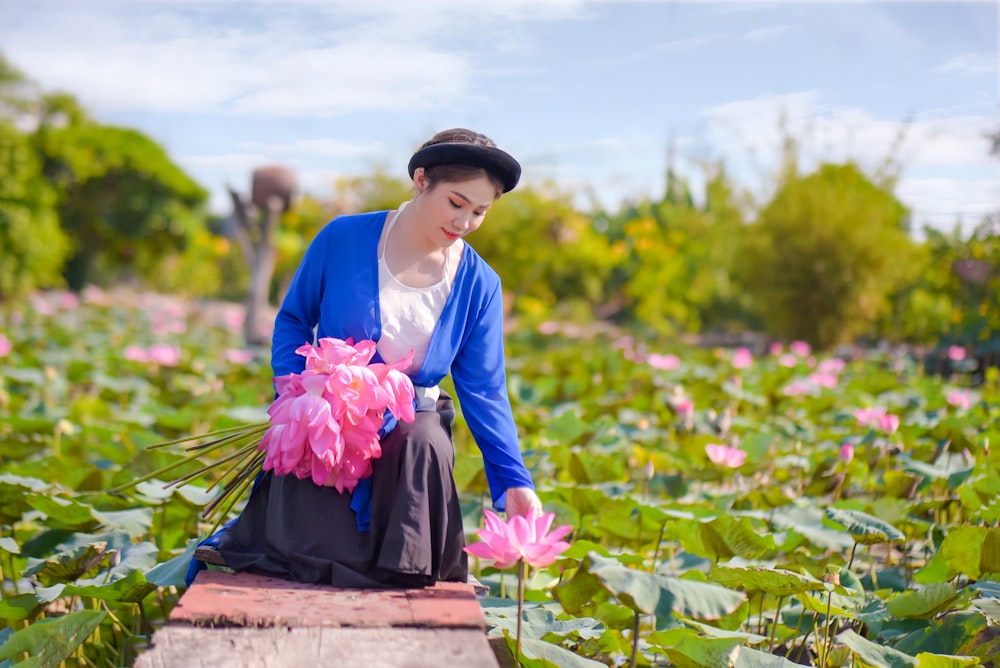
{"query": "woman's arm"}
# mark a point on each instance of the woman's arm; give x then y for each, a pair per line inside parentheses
(481, 385)
(296, 320)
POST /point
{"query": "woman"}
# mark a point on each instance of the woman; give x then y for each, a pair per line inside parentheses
(407, 280)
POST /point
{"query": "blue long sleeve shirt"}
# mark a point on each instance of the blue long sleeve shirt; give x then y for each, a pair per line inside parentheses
(335, 293)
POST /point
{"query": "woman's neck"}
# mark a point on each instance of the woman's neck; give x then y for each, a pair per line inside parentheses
(411, 256)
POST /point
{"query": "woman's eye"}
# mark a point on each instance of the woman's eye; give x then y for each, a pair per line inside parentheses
(455, 204)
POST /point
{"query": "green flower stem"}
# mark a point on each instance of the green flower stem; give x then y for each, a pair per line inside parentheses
(521, 573)
(774, 625)
(217, 432)
(239, 454)
(635, 639)
(250, 434)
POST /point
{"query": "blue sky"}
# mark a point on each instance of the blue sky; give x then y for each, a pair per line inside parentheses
(591, 95)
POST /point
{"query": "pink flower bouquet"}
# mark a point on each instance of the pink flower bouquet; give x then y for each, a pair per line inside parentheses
(324, 425)
(325, 422)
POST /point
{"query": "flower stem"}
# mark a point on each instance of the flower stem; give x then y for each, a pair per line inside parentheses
(635, 639)
(521, 572)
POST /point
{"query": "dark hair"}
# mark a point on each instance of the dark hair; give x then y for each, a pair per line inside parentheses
(503, 176)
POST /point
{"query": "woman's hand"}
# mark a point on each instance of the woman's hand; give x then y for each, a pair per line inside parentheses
(523, 501)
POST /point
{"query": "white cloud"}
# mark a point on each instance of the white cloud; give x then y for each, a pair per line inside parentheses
(766, 34)
(748, 135)
(943, 203)
(308, 58)
(970, 63)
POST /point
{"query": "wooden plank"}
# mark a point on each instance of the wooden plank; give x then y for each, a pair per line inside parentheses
(176, 646)
(218, 598)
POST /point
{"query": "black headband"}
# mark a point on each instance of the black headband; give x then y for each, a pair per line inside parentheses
(496, 162)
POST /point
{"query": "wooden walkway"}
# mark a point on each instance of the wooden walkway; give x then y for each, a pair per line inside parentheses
(241, 620)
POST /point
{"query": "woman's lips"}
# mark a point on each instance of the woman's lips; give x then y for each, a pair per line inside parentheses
(450, 235)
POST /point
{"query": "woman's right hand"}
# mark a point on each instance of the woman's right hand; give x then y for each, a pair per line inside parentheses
(523, 501)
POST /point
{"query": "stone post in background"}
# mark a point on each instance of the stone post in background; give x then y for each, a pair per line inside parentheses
(256, 225)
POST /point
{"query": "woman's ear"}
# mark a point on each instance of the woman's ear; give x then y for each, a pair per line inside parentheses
(421, 183)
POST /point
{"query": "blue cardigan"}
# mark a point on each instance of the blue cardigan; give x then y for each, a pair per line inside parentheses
(335, 290)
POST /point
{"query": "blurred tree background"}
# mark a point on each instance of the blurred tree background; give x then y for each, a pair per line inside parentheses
(829, 258)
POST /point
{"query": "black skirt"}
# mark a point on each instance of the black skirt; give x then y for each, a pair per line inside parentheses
(297, 530)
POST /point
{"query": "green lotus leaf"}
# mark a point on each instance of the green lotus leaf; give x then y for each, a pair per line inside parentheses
(686, 649)
(864, 528)
(776, 581)
(872, 655)
(923, 603)
(50, 641)
(69, 565)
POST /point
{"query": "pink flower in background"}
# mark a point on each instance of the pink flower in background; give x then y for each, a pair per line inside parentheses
(68, 301)
(956, 353)
(742, 358)
(832, 365)
(325, 421)
(846, 453)
(788, 360)
(869, 417)
(797, 388)
(827, 380)
(800, 348)
(239, 356)
(960, 399)
(164, 354)
(506, 543)
(685, 411)
(888, 423)
(135, 354)
(775, 349)
(5, 346)
(93, 294)
(663, 362)
(548, 328)
(725, 455)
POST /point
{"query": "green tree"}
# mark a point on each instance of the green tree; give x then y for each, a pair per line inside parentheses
(825, 254)
(124, 204)
(32, 246)
(675, 275)
(552, 261)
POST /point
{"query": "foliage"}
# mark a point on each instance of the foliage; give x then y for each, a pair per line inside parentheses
(675, 276)
(547, 253)
(122, 201)
(824, 255)
(33, 245)
(889, 558)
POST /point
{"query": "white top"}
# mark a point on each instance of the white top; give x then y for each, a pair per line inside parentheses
(409, 316)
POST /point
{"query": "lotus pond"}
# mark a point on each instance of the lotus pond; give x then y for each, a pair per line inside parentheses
(729, 507)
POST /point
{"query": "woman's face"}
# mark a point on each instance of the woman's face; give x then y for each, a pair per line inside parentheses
(451, 210)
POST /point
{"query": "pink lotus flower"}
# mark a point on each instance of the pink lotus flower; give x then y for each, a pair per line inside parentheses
(798, 388)
(742, 358)
(832, 365)
(663, 362)
(958, 398)
(788, 360)
(506, 543)
(5, 346)
(325, 421)
(164, 354)
(800, 348)
(827, 380)
(135, 354)
(775, 349)
(888, 423)
(725, 455)
(869, 417)
(956, 353)
(548, 328)
(846, 453)
(239, 356)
